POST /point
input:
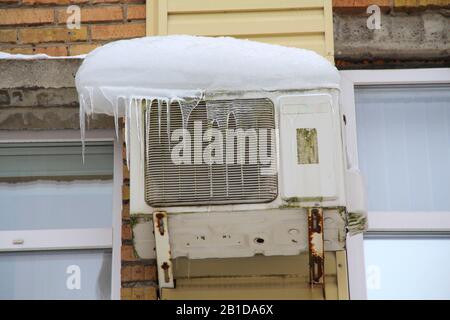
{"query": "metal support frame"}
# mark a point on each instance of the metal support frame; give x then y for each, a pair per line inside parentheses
(163, 254)
(316, 246)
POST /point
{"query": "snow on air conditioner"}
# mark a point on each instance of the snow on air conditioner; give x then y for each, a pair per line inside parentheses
(167, 88)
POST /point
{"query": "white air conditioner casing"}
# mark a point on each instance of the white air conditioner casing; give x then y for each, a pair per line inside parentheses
(317, 181)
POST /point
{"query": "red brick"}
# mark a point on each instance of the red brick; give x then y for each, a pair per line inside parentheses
(26, 16)
(358, 6)
(57, 2)
(84, 48)
(99, 14)
(8, 36)
(117, 31)
(126, 211)
(128, 253)
(125, 274)
(60, 34)
(56, 51)
(137, 273)
(127, 234)
(150, 273)
(125, 192)
(136, 12)
(105, 1)
(133, 1)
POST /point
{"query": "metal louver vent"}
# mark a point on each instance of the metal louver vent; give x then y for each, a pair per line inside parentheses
(238, 179)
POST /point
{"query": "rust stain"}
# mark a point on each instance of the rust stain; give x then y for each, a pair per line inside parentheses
(316, 249)
(165, 266)
(160, 222)
(307, 146)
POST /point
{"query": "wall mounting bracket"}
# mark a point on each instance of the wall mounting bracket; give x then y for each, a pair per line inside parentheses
(316, 246)
(163, 253)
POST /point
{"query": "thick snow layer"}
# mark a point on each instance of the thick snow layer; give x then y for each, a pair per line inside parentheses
(188, 66)
(120, 77)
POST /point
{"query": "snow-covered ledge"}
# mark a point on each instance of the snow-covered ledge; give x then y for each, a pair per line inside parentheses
(37, 92)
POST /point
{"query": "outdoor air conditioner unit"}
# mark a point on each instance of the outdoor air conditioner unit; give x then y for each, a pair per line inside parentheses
(235, 148)
(243, 209)
(303, 128)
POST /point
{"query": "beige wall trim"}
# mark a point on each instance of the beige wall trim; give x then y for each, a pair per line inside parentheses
(297, 23)
(259, 277)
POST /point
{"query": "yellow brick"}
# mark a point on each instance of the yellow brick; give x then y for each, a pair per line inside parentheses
(26, 16)
(103, 13)
(8, 36)
(78, 49)
(17, 50)
(60, 34)
(55, 51)
(126, 293)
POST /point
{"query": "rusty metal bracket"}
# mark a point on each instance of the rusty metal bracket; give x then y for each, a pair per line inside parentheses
(163, 254)
(316, 246)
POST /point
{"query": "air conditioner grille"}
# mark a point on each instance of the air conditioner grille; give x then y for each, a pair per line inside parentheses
(202, 183)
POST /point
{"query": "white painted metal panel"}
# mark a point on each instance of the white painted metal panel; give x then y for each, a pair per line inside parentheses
(311, 180)
(244, 234)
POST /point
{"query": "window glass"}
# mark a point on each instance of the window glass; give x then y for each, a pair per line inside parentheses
(81, 274)
(407, 268)
(55, 161)
(47, 186)
(403, 147)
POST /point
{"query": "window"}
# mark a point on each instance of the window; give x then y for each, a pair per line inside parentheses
(411, 267)
(56, 220)
(403, 135)
(398, 136)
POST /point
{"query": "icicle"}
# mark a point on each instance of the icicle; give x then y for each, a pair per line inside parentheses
(137, 111)
(148, 111)
(91, 99)
(88, 118)
(186, 109)
(139, 127)
(159, 119)
(116, 116)
(219, 112)
(127, 129)
(211, 190)
(168, 103)
(125, 118)
(135, 108)
(82, 123)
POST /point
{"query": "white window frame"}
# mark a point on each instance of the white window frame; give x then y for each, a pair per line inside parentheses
(60, 239)
(383, 221)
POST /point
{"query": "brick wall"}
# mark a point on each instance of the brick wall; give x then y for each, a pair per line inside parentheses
(138, 276)
(388, 5)
(39, 26)
(413, 34)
